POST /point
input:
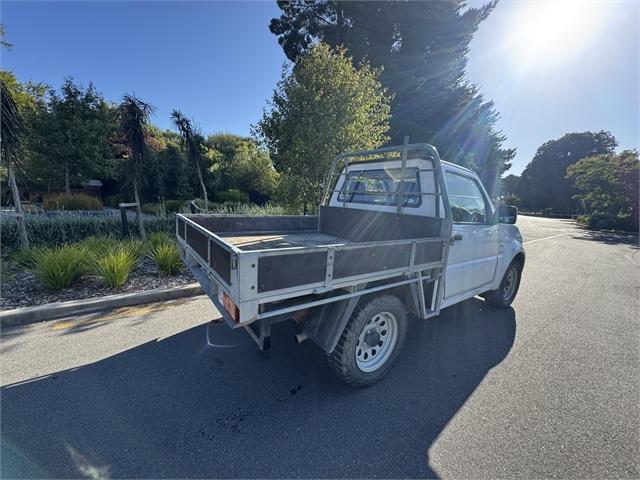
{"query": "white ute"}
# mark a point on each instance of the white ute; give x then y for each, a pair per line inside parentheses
(398, 231)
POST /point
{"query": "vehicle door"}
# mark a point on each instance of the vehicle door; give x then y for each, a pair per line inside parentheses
(473, 255)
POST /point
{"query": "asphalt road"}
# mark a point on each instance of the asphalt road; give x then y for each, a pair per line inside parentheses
(549, 388)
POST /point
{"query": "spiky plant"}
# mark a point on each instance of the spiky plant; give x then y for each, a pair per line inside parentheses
(192, 141)
(10, 130)
(133, 115)
(166, 257)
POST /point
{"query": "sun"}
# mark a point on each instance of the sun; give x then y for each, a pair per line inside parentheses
(551, 32)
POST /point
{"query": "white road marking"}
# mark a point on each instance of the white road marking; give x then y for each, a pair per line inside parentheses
(545, 238)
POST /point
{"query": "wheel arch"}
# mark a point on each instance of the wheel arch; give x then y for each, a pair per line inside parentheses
(324, 324)
(519, 258)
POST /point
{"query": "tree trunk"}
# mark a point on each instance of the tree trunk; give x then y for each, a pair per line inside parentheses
(22, 226)
(67, 184)
(136, 198)
(204, 190)
(635, 218)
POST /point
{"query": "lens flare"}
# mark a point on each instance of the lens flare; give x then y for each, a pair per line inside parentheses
(547, 33)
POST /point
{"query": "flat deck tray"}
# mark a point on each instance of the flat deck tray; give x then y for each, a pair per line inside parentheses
(266, 241)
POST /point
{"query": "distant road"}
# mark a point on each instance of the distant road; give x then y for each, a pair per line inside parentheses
(547, 389)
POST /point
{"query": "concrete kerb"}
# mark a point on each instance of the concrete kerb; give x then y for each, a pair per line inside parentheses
(52, 311)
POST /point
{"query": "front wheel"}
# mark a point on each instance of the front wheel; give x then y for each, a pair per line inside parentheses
(506, 292)
(371, 341)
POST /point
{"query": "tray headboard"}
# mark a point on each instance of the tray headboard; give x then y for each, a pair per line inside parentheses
(360, 225)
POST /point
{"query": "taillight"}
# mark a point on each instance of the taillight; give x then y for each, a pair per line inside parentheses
(230, 307)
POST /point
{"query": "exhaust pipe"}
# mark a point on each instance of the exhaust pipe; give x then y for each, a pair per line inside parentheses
(301, 337)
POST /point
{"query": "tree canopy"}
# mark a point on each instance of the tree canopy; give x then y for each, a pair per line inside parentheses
(608, 183)
(321, 108)
(74, 129)
(422, 47)
(544, 183)
(239, 163)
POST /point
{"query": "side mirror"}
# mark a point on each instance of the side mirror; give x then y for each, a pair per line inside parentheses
(507, 214)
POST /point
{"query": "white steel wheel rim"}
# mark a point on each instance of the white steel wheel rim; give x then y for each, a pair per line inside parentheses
(376, 341)
(510, 283)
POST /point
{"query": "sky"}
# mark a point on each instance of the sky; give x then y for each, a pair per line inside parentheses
(550, 67)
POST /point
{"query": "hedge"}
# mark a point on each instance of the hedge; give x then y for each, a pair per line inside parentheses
(607, 221)
(49, 232)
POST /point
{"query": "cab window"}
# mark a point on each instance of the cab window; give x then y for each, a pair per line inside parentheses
(382, 187)
(465, 199)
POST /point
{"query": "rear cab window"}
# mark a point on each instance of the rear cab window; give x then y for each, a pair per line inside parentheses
(382, 187)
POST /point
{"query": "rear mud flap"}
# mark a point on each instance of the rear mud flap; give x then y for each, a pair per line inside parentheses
(326, 323)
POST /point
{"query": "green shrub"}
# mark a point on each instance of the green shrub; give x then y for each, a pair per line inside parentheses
(174, 206)
(137, 247)
(164, 207)
(583, 219)
(99, 245)
(114, 267)
(57, 268)
(150, 208)
(26, 257)
(74, 201)
(159, 238)
(606, 221)
(49, 232)
(167, 258)
(232, 195)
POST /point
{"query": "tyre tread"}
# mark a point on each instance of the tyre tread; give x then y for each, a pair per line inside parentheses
(338, 360)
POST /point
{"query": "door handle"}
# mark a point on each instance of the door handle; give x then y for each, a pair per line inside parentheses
(456, 237)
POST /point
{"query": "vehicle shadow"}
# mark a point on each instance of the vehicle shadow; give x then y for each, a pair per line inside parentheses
(185, 407)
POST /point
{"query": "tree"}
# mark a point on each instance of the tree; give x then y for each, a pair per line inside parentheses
(422, 47)
(543, 183)
(321, 108)
(241, 164)
(510, 185)
(10, 131)
(608, 183)
(133, 117)
(193, 143)
(30, 100)
(74, 133)
(508, 190)
(177, 181)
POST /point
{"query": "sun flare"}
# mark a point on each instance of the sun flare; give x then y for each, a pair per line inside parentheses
(549, 32)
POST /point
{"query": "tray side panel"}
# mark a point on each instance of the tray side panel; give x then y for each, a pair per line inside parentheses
(284, 271)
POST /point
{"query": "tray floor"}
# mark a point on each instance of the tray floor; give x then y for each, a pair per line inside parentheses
(265, 241)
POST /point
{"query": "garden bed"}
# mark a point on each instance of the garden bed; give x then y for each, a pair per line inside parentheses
(21, 288)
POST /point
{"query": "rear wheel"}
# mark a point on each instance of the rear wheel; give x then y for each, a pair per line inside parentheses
(371, 341)
(506, 292)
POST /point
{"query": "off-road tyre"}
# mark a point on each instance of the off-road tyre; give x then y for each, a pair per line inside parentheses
(506, 293)
(343, 358)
